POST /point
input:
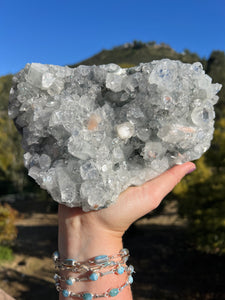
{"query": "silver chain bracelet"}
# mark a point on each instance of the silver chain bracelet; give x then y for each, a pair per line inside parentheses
(92, 270)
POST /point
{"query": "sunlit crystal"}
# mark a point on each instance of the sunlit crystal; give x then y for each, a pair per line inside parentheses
(90, 132)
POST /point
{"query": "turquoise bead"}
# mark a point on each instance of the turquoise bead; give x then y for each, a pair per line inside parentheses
(87, 296)
(101, 259)
(93, 276)
(124, 251)
(69, 262)
(56, 277)
(131, 269)
(69, 281)
(130, 279)
(55, 255)
(65, 293)
(120, 270)
(113, 292)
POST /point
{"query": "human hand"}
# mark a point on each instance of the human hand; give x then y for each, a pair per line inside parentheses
(131, 205)
(111, 223)
(87, 234)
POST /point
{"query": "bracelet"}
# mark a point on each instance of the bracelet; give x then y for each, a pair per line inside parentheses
(92, 270)
(89, 296)
(97, 260)
(84, 268)
(93, 276)
(97, 263)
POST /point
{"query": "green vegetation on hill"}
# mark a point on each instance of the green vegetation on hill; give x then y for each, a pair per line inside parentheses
(201, 195)
(137, 52)
(5, 85)
(11, 163)
(215, 68)
(8, 231)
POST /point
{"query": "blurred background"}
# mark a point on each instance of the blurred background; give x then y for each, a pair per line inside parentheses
(179, 249)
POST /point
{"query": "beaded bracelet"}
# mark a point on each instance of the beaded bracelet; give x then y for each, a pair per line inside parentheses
(97, 260)
(84, 268)
(94, 275)
(99, 266)
(97, 263)
(89, 296)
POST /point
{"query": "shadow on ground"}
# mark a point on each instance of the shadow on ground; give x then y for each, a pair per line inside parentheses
(29, 241)
(29, 287)
(169, 269)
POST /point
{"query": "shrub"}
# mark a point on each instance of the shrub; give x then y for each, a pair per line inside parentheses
(8, 230)
(6, 253)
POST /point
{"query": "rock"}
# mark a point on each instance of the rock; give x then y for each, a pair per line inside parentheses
(91, 132)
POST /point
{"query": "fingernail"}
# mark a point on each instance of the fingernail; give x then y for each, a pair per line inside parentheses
(191, 170)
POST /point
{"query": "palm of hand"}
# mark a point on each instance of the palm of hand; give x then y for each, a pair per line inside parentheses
(135, 202)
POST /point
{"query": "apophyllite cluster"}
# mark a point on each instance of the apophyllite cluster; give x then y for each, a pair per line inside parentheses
(92, 131)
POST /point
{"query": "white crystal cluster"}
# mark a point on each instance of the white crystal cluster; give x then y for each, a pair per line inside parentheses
(91, 132)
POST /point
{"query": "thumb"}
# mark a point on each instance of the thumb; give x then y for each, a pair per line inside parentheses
(151, 193)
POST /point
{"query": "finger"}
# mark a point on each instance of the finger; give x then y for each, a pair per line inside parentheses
(151, 193)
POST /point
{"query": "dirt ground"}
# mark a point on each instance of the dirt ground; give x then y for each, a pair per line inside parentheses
(167, 267)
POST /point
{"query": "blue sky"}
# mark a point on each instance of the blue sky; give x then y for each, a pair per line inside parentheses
(68, 31)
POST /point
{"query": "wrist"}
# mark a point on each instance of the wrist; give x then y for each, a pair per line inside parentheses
(82, 238)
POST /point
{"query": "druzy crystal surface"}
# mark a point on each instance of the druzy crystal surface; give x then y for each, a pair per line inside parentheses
(91, 132)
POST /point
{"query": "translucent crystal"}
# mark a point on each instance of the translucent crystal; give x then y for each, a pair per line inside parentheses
(203, 114)
(125, 130)
(47, 80)
(153, 150)
(91, 132)
(66, 186)
(35, 74)
(44, 161)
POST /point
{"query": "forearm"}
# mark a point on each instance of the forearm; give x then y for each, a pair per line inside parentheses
(85, 240)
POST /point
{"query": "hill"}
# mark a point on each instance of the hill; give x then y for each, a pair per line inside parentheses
(131, 54)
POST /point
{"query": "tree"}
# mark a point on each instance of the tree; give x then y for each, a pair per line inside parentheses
(11, 158)
(216, 69)
(5, 85)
